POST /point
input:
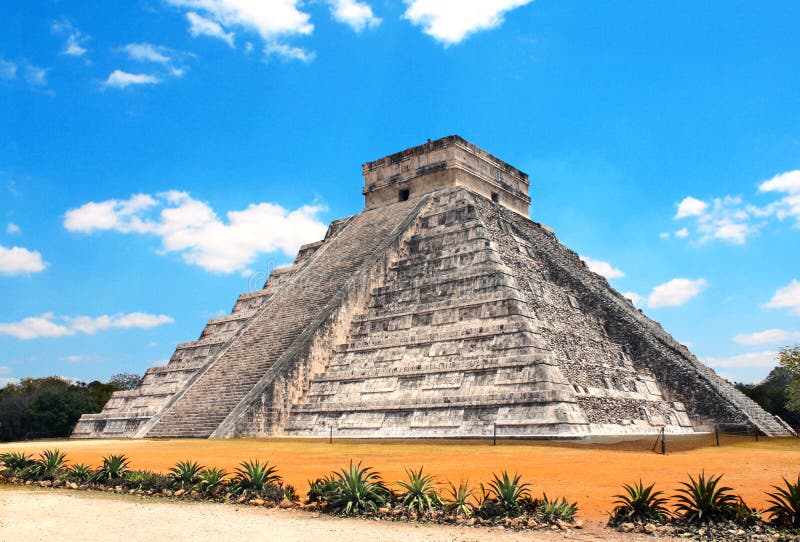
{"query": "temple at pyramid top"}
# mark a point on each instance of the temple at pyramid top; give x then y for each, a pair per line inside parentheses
(444, 163)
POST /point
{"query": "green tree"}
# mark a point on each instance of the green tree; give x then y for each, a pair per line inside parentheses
(789, 358)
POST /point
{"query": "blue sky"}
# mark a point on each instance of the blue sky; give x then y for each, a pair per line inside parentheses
(159, 157)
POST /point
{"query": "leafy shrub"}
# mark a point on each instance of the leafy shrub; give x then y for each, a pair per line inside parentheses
(702, 500)
(508, 494)
(16, 461)
(146, 480)
(321, 489)
(639, 504)
(252, 476)
(185, 474)
(420, 491)
(745, 515)
(79, 473)
(114, 467)
(785, 504)
(554, 510)
(211, 480)
(358, 490)
(457, 498)
(49, 465)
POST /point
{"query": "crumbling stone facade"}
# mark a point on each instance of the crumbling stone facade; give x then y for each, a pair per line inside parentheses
(441, 310)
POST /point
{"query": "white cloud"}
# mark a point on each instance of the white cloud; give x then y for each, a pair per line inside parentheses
(36, 76)
(787, 297)
(147, 52)
(192, 229)
(272, 20)
(121, 79)
(19, 261)
(750, 360)
(200, 26)
(5, 381)
(12, 228)
(788, 182)
(690, 207)
(602, 268)
(50, 325)
(450, 21)
(768, 336)
(634, 297)
(75, 38)
(676, 292)
(8, 70)
(682, 233)
(357, 15)
(288, 52)
(663, 235)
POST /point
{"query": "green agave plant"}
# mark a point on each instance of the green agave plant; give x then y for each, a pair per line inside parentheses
(420, 491)
(15, 461)
(146, 480)
(703, 500)
(114, 467)
(639, 504)
(509, 492)
(321, 489)
(552, 510)
(785, 504)
(79, 473)
(49, 464)
(254, 476)
(211, 479)
(185, 474)
(358, 490)
(457, 498)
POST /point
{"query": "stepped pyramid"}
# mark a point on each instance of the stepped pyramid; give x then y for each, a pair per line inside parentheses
(441, 310)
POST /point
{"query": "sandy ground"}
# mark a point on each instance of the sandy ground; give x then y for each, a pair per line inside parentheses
(31, 515)
(587, 473)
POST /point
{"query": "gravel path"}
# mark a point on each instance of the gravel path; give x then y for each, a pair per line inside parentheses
(31, 515)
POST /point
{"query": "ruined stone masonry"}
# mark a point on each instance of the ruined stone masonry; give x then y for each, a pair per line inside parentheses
(441, 310)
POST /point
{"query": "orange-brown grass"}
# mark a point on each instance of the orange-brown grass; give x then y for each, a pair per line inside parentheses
(588, 473)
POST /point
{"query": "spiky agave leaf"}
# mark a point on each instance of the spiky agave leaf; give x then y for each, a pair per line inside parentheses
(639, 503)
(509, 492)
(785, 504)
(185, 473)
(556, 509)
(211, 479)
(358, 490)
(49, 463)
(79, 473)
(420, 491)
(114, 467)
(255, 476)
(457, 498)
(703, 500)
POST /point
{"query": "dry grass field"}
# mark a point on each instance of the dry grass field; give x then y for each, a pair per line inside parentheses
(590, 473)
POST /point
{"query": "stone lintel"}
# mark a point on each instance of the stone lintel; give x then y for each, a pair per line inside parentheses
(443, 163)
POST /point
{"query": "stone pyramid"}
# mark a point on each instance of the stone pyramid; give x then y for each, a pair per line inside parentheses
(441, 310)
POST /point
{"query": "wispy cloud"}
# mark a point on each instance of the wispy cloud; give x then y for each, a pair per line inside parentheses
(20, 261)
(733, 220)
(12, 228)
(50, 325)
(274, 21)
(357, 15)
(787, 297)
(603, 268)
(766, 358)
(769, 336)
(451, 21)
(74, 38)
(122, 79)
(201, 26)
(192, 229)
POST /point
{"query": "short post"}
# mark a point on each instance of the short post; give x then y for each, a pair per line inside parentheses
(494, 434)
(716, 432)
(755, 430)
(330, 434)
(663, 442)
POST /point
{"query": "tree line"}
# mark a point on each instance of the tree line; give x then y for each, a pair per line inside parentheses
(51, 406)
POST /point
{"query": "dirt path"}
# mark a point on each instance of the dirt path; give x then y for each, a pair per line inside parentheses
(32, 515)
